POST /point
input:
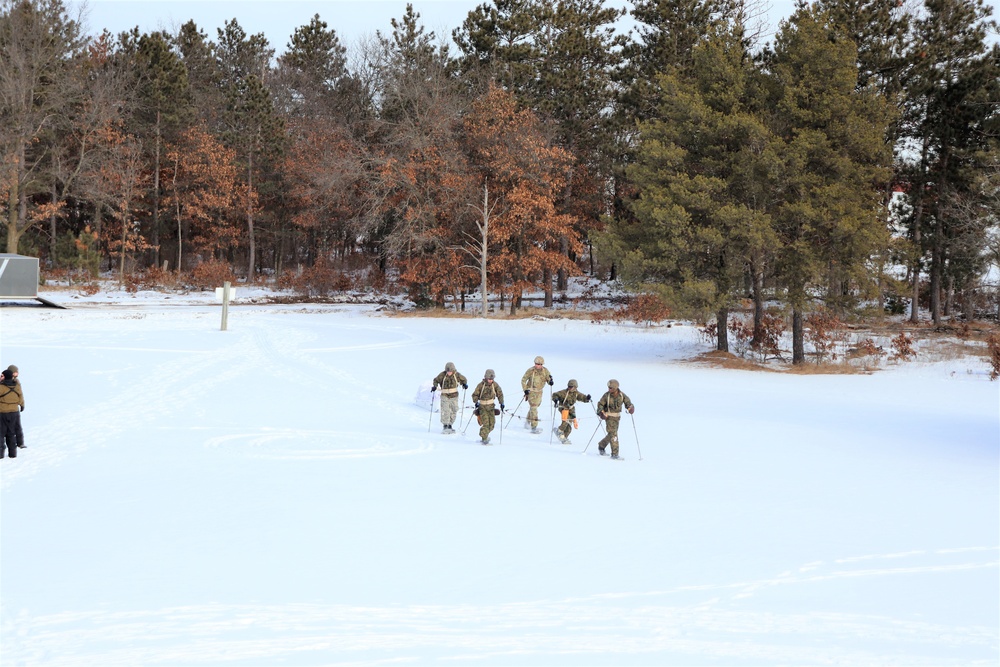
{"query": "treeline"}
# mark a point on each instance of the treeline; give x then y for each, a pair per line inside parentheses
(853, 159)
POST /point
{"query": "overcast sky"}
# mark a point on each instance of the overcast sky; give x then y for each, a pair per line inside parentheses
(351, 19)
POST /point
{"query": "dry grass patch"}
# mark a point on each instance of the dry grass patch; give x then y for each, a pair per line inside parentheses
(472, 310)
(718, 359)
(825, 368)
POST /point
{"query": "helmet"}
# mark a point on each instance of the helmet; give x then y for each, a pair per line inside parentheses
(539, 360)
(449, 366)
(489, 374)
(573, 384)
(612, 384)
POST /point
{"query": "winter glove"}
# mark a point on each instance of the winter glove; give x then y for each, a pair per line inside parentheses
(526, 392)
(465, 386)
(631, 409)
(501, 407)
(555, 399)
(600, 414)
(433, 388)
(588, 398)
(22, 408)
(477, 405)
(551, 381)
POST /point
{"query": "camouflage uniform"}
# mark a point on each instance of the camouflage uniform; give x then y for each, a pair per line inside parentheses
(565, 402)
(609, 408)
(533, 382)
(449, 379)
(486, 394)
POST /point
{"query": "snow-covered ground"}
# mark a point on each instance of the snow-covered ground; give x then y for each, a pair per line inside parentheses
(271, 495)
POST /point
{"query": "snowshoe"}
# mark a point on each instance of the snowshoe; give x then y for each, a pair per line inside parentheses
(602, 452)
(536, 430)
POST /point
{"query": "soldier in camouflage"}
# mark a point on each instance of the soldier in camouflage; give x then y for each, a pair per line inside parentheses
(565, 402)
(609, 408)
(449, 379)
(486, 395)
(533, 382)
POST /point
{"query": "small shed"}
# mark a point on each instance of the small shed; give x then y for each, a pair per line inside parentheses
(19, 278)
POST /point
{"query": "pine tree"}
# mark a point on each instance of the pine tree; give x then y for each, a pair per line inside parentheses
(203, 72)
(667, 33)
(252, 126)
(704, 171)
(954, 95)
(312, 74)
(829, 219)
(163, 110)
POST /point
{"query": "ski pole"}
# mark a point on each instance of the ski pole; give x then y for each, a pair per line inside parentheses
(461, 418)
(430, 417)
(591, 437)
(469, 422)
(636, 435)
(500, 441)
(552, 418)
(514, 413)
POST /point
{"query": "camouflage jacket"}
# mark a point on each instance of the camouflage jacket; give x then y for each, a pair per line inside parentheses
(487, 392)
(535, 379)
(567, 398)
(450, 383)
(611, 405)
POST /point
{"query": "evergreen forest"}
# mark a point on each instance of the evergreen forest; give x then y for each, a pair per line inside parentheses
(847, 164)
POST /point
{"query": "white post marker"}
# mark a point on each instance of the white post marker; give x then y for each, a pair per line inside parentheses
(224, 294)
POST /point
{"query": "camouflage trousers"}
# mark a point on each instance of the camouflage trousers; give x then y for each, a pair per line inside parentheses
(534, 400)
(487, 421)
(611, 423)
(449, 408)
(566, 428)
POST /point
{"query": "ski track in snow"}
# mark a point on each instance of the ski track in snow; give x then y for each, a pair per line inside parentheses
(287, 445)
(671, 626)
(188, 379)
(520, 633)
(644, 627)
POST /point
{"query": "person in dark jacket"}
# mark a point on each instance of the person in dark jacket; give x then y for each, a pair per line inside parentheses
(11, 407)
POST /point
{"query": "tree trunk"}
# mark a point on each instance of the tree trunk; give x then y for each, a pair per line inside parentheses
(949, 299)
(252, 261)
(485, 229)
(180, 224)
(547, 279)
(918, 216)
(52, 225)
(121, 264)
(798, 344)
(758, 306)
(722, 322)
(937, 269)
(14, 214)
(156, 195)
(562, 278)
(98, 229)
